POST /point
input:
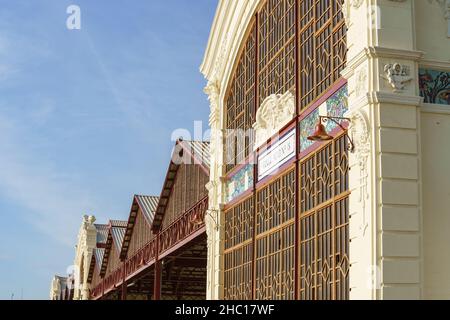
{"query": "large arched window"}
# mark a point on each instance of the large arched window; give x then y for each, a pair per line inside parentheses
(287, 237)
(290, 45)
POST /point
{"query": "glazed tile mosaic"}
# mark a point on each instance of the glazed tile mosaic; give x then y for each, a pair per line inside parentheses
(335, 106)
(240, 182)
(434, 86)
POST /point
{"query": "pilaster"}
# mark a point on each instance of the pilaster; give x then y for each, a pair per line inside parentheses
(385, 175)
(214, 217)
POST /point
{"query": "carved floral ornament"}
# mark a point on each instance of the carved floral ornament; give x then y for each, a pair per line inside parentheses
(213, 92)
(360, 131)
(275, 112)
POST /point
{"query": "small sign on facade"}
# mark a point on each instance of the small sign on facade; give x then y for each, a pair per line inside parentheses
(277, 155)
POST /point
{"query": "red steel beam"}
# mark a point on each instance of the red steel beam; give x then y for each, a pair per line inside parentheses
(183, 242)
(157, 280)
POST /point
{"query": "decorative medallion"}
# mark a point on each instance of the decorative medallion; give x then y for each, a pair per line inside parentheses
(273, 114)
(397, 76)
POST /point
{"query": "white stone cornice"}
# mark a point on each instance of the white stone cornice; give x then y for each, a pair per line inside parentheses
(436, 64)
(394, 98)
(382, 52)
(434, 108)
(379, 52)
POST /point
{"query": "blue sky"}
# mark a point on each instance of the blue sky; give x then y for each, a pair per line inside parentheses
(86, 118)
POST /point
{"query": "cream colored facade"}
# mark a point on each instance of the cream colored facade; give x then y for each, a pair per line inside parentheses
(56, 288)
(400, 170)
(87, 242)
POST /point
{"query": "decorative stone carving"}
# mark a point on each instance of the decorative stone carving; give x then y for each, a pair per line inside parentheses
(361, 82)
(275, 112)
(220, 61)
(55, 289)
(359, 129)
(397, 76)
(88, 222)
(213, 92)
(87, 241)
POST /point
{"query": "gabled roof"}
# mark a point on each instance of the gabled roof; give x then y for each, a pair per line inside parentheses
(118, 234)
(118, 223)
(115, 236)
(98, 255)
(102, 234)
(199, 151)
(185, 152)
(96, 261)
(147, 205)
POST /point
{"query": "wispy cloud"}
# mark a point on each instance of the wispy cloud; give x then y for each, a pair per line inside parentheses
(54, 199)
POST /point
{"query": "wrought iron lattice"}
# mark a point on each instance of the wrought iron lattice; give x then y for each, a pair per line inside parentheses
(275, 265)
(322, 47)
(275, 239)
(238, 273)
(276, 48)
(267, 65)
(324, 218)
(268, 60)
(240, 103)
(276, 203)
(183, 227)
(239, 224)
(239, 251)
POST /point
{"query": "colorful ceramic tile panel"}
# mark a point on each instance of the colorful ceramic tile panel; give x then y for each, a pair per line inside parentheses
(434, 86)
(307, 127)
(240, 182)
(336, 106)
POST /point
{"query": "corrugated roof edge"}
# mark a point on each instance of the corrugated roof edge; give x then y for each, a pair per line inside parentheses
(202, 147)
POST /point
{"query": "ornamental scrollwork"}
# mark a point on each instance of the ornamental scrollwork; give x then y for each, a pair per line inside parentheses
(360, 131)
(275, 112)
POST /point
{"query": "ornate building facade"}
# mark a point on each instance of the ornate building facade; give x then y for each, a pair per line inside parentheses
(361, 215)
(327, 173)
